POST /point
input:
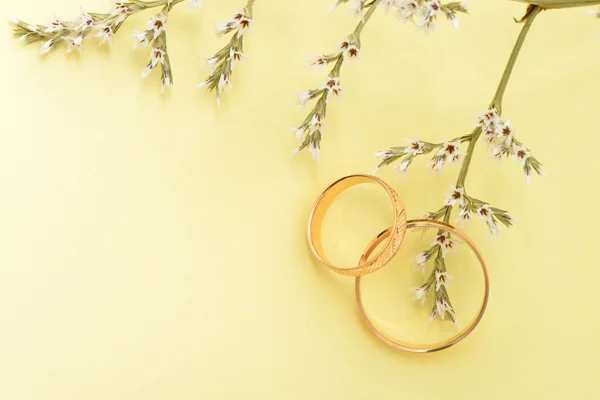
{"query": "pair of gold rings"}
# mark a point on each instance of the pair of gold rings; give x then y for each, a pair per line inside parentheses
(391, 239)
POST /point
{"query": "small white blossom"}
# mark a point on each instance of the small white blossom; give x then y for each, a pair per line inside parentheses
(143, 38)
(105, 33)
(506, 132)
(442, 307)
(313, 147)
(389, 4)
(158, 24)
(358, 9)
(74, 43)
(403, 166)
(464, 215)
(415, 146)
(319, 61)
(406, 9)
(445, 242)
(420, 293)
(489, 118)
(236, 57)
(333, 87)
(349, 49)
(420, 262)
(441, 279)
(244, 23)
(521, 153)
(195, 3)
(456, 195)
(85, 22)
(437, 163)
(485, 213)
(427, 14)
(316, 123)
(451, 151)
(47, 46)
(55, 26)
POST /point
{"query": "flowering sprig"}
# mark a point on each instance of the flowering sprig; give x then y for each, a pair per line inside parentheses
(309, 133)
(500, 136)
(223, 62)
(104, 26)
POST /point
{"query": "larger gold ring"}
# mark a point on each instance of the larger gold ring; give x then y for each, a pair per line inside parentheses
(437, 346)
(320, 208)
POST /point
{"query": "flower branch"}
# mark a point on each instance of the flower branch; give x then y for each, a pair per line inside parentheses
(309, 133)
(104, 26)
(232, 54)
(500, 136)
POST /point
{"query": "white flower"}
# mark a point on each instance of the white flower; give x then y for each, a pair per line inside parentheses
(166, 82)
(47, 46)
(333, 86)
(414, 147)
(105, 33)
(86, 22)
(489, 133)
(463, 216)
(427, 15)
(493, 228)
(319, 61)
(242, 22)
(236, 57)
(195, 3)
(406, 9)
(389, 4)
(349, 49)
(143, 38)
(420, 262)
(313, 147)
(451, 151)
(223, 83)
(55, 26)
(212, 61)
(158, 24)
(436, 163)
(420, 293)
(358, 9)
(442, 307)
(441, 279)
(445, 242)
(485, 213)
(74, 43)
(489, 118)
(403, 166)
(456, 195)
(316, 123)
(506, 132)
(521, 153)
(385, 154)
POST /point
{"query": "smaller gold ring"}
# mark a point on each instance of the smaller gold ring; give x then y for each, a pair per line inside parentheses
(437, 346)
(320, 208)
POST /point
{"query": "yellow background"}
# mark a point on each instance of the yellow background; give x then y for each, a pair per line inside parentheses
(154, 247)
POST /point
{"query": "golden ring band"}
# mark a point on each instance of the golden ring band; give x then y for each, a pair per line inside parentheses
(323, 203)
(392, 237)
(413, 348)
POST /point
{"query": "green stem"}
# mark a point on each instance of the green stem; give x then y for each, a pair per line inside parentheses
(496, 101)
(366, 19)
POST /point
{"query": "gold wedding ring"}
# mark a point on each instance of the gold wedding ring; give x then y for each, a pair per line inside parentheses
(395, 234)
(392, 237)
(436, 346)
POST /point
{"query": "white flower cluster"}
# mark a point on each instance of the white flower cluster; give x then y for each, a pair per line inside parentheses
(503, 143)
(105, 25)
(224, 61)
